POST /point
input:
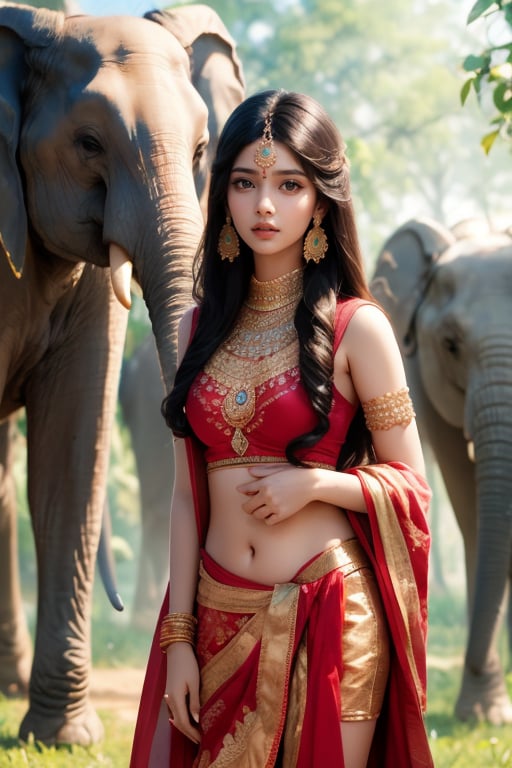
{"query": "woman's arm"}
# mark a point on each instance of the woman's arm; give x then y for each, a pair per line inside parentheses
(375, 367)
(182, 687)
(184, 545)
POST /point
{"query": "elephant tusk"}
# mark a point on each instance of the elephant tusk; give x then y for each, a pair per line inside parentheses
(471, 451)
(120, 274)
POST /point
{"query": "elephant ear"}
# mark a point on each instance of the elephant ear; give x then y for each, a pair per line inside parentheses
(216, 70)
(20, 26)
(466, 229)
(403, 271)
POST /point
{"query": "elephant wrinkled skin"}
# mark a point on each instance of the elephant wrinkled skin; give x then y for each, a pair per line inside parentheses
(140, 397)
(449, 297)
(103, 137)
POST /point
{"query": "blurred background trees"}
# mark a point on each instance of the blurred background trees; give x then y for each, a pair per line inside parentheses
(390, 74)
(491, 69)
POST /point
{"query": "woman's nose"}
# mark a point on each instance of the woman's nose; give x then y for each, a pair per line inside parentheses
(265, 206)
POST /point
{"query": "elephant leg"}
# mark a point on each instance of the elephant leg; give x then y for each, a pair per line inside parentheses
(154, 548)
(70, 407)
(15, 644)
(483, 695)
(509, 620)
(141, 393)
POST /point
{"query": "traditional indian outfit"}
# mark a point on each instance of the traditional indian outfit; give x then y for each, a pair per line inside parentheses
(271, 658)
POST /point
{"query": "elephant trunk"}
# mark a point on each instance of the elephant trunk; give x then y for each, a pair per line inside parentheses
(165, 273)
(488, 413)
(158, 232)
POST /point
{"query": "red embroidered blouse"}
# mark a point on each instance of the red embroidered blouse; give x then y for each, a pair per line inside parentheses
(282, 412)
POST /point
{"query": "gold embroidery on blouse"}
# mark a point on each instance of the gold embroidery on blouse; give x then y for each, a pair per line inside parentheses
(262, 347)
(389, 410)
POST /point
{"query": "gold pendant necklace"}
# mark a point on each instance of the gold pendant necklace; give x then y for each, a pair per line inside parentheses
(238, 409)
(263, 344)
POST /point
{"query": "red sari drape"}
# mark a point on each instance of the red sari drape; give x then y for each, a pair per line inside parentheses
(395, 536)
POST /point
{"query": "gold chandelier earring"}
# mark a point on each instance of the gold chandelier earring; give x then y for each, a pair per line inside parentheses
(315, 243)
(229, 244)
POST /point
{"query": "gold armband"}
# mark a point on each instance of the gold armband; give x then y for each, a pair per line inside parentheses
(177, 628)
(389, 410)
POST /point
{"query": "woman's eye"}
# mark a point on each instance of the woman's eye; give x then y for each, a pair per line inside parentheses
(242, 183)
(291, 186)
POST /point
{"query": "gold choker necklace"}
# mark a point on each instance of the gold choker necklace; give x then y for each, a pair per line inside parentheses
(275, 294)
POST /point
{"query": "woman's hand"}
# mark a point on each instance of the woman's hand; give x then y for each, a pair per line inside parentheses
(277, 492)
(182, 689)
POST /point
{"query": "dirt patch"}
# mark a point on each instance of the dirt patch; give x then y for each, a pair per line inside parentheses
(117, 690)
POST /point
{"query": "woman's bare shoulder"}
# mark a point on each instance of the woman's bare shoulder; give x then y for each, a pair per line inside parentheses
(374, 358)
(370, 327)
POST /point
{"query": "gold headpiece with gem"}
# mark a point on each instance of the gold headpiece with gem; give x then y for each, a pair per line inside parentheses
(265, 155)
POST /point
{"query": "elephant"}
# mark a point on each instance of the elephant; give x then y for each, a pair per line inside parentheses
(104, 131)
(448, 294)
(140, 396)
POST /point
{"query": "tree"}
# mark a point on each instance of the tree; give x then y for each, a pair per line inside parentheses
(390, 75)
(491, 70)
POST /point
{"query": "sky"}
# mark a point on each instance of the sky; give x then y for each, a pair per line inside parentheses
(114, 7)
(139, 7)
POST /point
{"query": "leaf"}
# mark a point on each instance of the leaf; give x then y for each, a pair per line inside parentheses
(472, 63)
(479, 8)
(502, 97)
(466, 88)
(488, 140)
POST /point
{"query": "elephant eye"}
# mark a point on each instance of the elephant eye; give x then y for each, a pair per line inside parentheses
(89, 144)
(200, 149)
(451, 345)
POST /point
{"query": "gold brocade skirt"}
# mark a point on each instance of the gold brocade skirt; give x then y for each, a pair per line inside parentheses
(364, 642)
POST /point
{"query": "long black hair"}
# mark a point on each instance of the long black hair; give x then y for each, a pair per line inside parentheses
(220, 287)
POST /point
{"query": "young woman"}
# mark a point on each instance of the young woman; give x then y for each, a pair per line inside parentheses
(294, 630)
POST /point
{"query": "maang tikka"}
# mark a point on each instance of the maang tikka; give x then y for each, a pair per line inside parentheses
(265, 155)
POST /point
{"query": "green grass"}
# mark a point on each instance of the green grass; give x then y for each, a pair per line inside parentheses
(454, 745)
(114, 646)
(113, 752)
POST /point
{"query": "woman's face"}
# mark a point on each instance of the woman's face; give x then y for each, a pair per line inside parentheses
(272, 209)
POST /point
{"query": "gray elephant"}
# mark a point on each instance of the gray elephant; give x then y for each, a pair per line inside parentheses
(449, 297)
(103, 132)
(140, 397)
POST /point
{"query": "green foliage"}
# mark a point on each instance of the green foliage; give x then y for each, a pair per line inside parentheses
(491, 71)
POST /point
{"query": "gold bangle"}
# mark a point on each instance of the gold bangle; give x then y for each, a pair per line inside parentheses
(177, 628)
(389, 410)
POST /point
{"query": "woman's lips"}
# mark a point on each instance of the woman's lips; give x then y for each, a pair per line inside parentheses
(264, 231)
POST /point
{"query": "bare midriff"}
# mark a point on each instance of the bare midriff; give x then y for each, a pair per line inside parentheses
(253, 549)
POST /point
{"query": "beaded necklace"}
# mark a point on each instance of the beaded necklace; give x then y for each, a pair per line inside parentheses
(262, 344)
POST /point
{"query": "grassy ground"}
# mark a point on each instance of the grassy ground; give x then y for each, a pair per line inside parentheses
(112, 753)
(454, 745)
